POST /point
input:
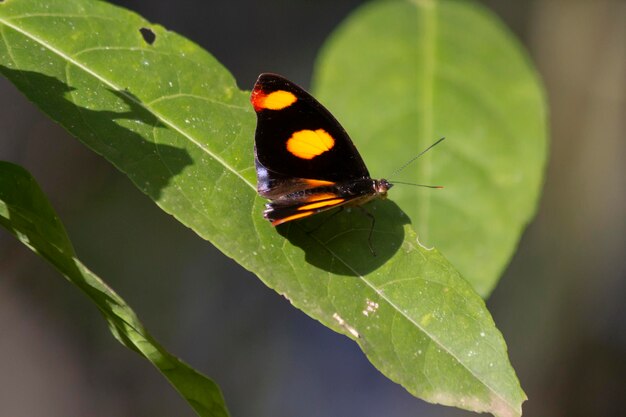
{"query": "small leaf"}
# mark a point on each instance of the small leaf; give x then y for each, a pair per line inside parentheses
(172, 118)
(26, 213)
(431, 69)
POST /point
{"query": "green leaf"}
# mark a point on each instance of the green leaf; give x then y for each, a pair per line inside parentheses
(400, 75)
(26, 213)
(171, 117)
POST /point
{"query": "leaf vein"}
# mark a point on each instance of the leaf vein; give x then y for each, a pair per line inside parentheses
(210, 100)
(70, 15)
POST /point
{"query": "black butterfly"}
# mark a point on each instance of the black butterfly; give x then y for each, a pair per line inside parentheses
(305, 161)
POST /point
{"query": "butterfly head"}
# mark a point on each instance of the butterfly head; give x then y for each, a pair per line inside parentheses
(382, 186)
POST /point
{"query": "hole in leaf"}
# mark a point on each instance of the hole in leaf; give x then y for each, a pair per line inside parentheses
(148, 35)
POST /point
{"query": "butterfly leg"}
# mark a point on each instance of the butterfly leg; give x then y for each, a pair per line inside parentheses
(369, 237)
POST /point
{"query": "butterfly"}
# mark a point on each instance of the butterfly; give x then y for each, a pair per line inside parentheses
(305, 161)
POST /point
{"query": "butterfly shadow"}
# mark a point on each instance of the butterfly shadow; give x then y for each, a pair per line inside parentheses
(338, 242)
(150, 164)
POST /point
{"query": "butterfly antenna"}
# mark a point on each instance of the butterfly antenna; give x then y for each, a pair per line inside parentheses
(413, 159)
(418, 185)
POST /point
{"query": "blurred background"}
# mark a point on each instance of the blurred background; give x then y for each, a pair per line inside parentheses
(560, 304)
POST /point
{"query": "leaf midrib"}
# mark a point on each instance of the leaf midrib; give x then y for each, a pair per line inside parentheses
(130, 97)
(425, 117)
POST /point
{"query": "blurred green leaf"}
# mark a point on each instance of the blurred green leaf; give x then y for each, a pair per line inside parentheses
(26, 213)
(171, 117)
(400, 75)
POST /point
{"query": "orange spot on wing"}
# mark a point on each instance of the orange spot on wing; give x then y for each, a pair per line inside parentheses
(276, 100)
(321, 204)
(292, 217)
(307, 144)
(256, 98)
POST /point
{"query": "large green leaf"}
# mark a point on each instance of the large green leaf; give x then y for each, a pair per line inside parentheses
(170, 117)
(27, 214)
(444, 68)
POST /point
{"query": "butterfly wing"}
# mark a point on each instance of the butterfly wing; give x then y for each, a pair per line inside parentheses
(284, 211)
(298, 143)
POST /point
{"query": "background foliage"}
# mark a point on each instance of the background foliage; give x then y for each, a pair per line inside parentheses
(280, 346)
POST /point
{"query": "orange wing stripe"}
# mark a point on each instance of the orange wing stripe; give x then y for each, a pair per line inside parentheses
(320, 196)
(318, 183)
(321, 204)
(292, 217)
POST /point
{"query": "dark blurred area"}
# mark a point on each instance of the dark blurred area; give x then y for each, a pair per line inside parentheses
(560, 304)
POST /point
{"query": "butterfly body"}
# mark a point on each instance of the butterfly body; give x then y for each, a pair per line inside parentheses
(305, 161)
